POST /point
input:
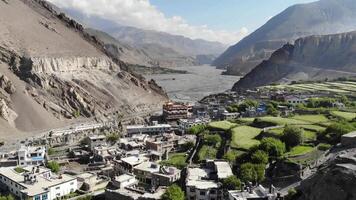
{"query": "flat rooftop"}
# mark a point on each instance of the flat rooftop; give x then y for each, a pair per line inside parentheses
(197, 177)
(148, 167)
(134, 160)
(223, 169)
(37, 187)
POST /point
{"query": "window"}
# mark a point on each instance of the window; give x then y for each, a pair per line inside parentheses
(57, 188)
(192, 189)
(72, 183)
(22, 158)
(45, 196)
(202, 192)
(37, 197)
(212, 192)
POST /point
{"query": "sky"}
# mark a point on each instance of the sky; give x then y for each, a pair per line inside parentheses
(225, 21)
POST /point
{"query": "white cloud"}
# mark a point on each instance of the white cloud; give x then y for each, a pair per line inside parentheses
(141, 14)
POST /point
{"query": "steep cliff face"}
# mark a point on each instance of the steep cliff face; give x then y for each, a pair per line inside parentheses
(335, 180)
(52, 72)
(318, 18)
(310, 58)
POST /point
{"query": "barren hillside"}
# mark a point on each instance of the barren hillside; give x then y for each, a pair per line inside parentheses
(51, 72)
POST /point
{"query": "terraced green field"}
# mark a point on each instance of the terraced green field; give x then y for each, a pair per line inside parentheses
(312, 118)
(283, 121)
(300, 150)
(340, 87)
(346, 115)
(222, 125)
(243, 137)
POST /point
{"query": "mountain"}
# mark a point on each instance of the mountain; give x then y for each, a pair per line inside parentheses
(309, 58)
(318, 18)
(183, 45)
(165, 50)
(334, 180)
(53, 73)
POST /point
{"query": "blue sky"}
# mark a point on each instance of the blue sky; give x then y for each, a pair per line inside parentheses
(229, 15)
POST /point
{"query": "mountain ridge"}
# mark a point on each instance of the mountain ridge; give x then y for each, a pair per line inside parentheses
(309, 58)
(316, 18)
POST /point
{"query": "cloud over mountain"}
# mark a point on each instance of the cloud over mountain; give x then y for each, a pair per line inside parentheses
(142, 14)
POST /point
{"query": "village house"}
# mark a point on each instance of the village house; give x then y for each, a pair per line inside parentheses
(254, 193)
(155, 175)
(205, 182)
(127, 164)
(185, 124)
(96, 141)
(175, 111)
(36, 183)
(155, 128)
(28, 155)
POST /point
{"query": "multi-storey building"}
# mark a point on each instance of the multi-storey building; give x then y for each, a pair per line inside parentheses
(36, 183)
(28, 155)
(175, 111)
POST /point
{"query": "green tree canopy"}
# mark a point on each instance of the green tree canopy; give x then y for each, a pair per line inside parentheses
(54, 166)
(232, 183)
(173, 192)
(292, 136)
(212, 140)
(195, 130)
(274, 147)
(259, 157)
(113, 138)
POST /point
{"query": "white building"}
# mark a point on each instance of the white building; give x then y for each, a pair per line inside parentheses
(256, 193)
(124, 180)
(186, 124)
(295, 100)
(199, 186)
(148, 129)
(36, 183)
(28, 155)
(97, 141)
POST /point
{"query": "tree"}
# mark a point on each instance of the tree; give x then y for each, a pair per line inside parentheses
(333, 132)
(292, 136)
(212, 140)
(232, 183)
(230, 156)
(247, 172)
(271, 110)
(259, 157)
(274, 147)
(54, 166)
(112, 138)
(252, 172)
(173, 192)
(51, 151)
(187, 146)
(195, 130)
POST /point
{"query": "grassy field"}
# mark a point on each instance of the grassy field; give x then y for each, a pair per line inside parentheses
(222, 125)
(176, 159)
(346, 115)
(207, 152)
(311, 118)
(243, 137)
(308, 135)
(299, 150)
(283, 121)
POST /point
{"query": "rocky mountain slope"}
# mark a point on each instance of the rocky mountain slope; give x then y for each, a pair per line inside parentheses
(183, 45)
(318, 18)
(164, 49)
(309, 58)
(51, 72)
(149, 55)
(335, 180)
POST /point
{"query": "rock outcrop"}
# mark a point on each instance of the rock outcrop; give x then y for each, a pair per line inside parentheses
(335, 180)
(310, 58)
(317, 18)
(7, 113)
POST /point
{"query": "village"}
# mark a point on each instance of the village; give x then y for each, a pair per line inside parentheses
(255, 144)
